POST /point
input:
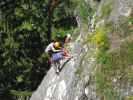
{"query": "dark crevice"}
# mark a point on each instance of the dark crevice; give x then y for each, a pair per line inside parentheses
(66, 22)
(98, 0)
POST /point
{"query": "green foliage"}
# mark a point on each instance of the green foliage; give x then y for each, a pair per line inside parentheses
(106, 9)
(129, 98)
(103, 74)
(130, 21)
(100, 38)
(104, 88)
(102, 77)
(114, 65)
(103, 57)
(61, 32)
(23, 38)
(84, 9)
(26, 26)
(20, 93)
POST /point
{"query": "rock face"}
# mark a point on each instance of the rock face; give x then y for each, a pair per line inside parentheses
(121, 8)
(74, 81)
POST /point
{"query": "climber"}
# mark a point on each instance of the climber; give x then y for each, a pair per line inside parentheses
(66, 43)
(57, 52)
(58, 57)
(54, 50)
(53, 47)
(67, 39)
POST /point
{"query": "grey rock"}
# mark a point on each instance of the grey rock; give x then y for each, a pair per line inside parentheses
(69, 84)
(121, 8)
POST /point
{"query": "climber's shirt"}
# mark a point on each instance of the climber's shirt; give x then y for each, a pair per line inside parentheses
(49, 47)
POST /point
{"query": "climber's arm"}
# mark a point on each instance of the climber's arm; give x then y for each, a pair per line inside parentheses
(55, 50)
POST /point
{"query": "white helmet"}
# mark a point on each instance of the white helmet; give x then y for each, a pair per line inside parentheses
(69, 35)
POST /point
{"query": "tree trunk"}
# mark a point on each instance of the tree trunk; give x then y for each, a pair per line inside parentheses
(51, 5)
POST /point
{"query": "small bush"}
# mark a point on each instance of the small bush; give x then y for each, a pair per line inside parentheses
(130, 21)
(100, 39)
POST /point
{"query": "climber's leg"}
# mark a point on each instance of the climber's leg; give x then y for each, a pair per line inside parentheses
(56, 67)
(61, 62)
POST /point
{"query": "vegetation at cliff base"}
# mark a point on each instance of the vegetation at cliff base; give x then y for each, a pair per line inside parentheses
(26, 27)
